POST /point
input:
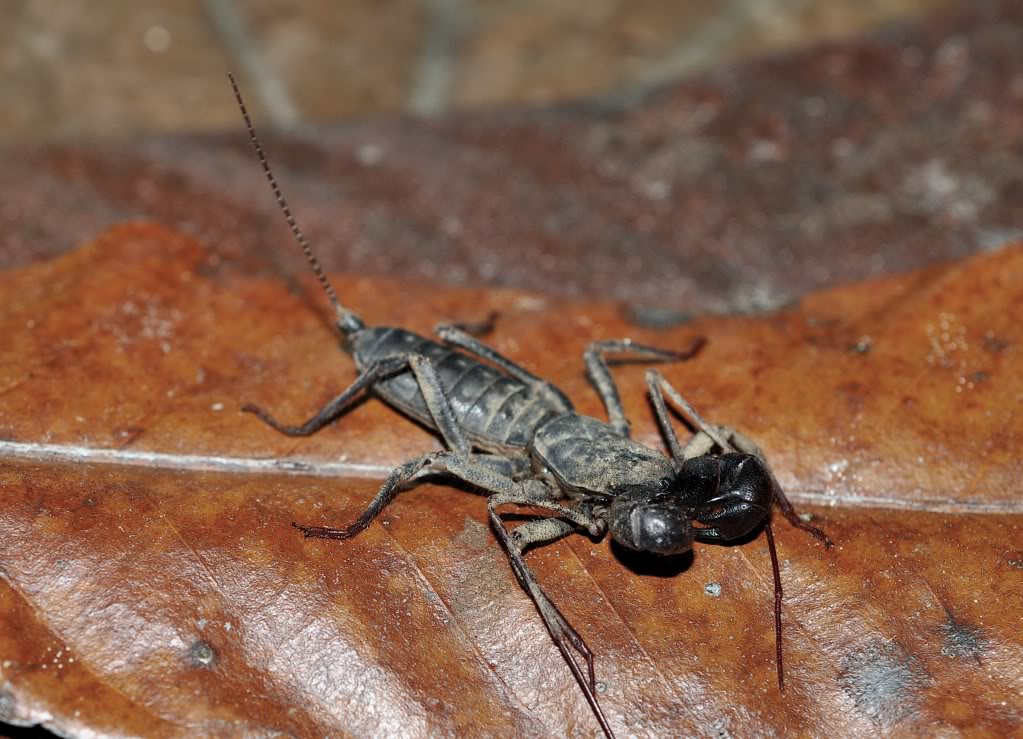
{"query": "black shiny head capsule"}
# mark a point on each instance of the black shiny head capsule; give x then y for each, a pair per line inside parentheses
(733, 504)
(649, 519)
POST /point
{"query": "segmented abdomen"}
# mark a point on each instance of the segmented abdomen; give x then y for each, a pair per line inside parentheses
(589, 457)
(497, 412)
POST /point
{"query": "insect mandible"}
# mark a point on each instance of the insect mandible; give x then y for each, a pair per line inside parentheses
(517, 437)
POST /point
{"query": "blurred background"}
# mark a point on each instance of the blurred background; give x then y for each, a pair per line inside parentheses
(105, 68)
(677, 157)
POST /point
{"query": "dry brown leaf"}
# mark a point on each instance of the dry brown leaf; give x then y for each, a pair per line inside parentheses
(151, 582)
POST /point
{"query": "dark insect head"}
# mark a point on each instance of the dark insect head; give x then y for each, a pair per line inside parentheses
(728, 495)
(714, 498)
(651, 518)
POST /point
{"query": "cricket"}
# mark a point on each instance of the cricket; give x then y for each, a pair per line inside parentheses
(517, 438)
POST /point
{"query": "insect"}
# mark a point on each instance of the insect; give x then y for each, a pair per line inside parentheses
(518, 438)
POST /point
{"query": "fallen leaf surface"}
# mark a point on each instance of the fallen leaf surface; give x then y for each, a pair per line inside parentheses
(151, 583)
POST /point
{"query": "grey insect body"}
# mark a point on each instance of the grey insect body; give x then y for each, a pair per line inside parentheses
(587, 457)
(518, 438)
(498, 413)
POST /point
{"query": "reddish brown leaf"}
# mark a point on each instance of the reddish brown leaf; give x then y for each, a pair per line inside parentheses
(151, 582)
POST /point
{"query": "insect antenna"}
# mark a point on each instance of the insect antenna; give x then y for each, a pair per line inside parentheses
(347, 321)
(777, 606)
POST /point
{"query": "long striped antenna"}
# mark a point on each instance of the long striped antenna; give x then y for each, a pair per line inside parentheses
(348, 322)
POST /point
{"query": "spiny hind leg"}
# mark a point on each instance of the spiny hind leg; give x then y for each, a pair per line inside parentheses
(379, 370)
(439, 405)
(487, 473)
(481, 470)
(429, 385)
(540, 532)
(565, 637)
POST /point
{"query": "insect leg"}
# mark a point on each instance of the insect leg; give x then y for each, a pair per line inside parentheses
(514, 467)
(438, 404)
(560, 629)
(476, 469)
(375, 372)
(740, 442)
(541, 531)
(727, 438)
(482, 470)
(475, 328)
(595, 358)
(538, 495)
(653, 380)
(708, 434)
(456, 337)
(778, 596)
(789, 511)
(429, 385)
(530, 492)
(398, 477)
(458, 463)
